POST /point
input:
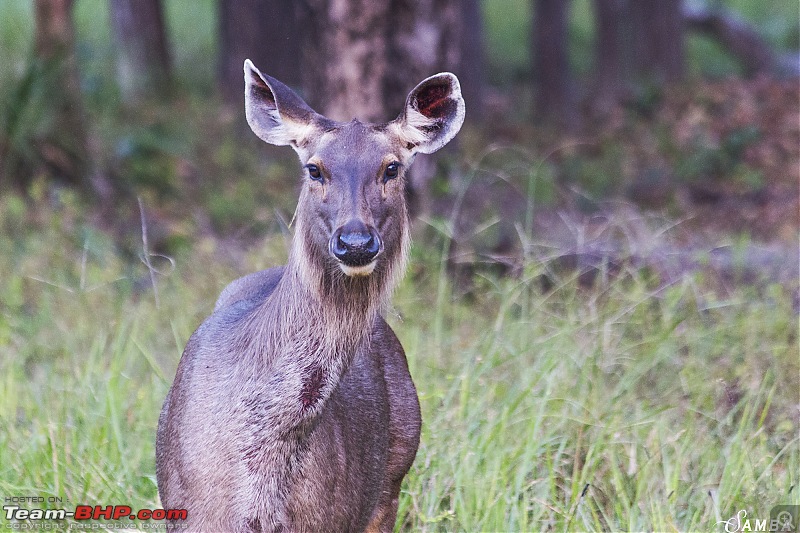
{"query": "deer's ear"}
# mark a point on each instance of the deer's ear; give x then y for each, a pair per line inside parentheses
(433, 114)
(276, 113)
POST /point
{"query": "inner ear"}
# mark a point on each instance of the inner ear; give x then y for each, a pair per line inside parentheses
(434, 100)
(261, 90)
(433, 114)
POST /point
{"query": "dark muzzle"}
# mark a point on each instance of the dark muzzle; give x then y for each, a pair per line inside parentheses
(355, 244)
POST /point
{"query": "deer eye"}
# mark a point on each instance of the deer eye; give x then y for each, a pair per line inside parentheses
(314, 173)
(392, 169)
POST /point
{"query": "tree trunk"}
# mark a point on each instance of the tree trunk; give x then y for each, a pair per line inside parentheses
(362, 56)
(551, 70)
(639, 42)
(658, 40)
(610, 68)
(471, 69)
(66, 150)
(346, 60)
(143, 62)
(266, 32)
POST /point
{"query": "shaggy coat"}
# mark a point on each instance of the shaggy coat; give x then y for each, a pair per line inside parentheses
(292, 408)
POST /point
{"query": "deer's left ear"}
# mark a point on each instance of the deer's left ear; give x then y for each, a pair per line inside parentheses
(433, 114)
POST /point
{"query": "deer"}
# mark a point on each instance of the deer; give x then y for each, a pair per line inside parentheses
(292, 407)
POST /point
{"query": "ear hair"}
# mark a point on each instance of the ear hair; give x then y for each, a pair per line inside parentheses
(433, 114)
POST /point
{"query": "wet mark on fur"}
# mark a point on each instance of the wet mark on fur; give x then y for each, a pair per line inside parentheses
(312, 388)
(254, 524)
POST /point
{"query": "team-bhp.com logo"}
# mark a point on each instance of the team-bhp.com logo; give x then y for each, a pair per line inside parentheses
(16, 516)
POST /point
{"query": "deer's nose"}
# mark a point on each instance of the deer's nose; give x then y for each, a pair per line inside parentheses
(355, 244)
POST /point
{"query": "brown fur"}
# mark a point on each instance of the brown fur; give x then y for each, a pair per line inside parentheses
(292, 407)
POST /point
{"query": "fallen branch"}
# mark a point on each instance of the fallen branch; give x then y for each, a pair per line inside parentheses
(739, 38)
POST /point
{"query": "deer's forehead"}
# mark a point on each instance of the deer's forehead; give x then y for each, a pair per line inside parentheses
(357, 143)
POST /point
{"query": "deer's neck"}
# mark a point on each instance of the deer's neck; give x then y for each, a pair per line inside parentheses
(295, 350)
(301, 341)
(308, 332)
(325, 320)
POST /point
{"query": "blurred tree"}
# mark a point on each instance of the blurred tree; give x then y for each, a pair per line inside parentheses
(551, 70)
(657, 44)
(266, 32)
(639, 42)
(472, 65)
(346, 57)
(143, 62)
(610, 68)
(362, 57)
(64, 150)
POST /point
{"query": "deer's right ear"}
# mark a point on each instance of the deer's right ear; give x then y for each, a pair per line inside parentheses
(275, 113)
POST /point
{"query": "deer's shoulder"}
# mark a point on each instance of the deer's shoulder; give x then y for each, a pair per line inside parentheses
(255, 286)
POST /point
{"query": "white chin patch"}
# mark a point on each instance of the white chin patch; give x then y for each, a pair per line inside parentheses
(352, 271)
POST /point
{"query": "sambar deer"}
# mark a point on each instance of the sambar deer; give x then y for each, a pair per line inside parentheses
(293, 408)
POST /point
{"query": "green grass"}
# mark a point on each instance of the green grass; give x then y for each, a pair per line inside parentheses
(621, 408)
(626, 406)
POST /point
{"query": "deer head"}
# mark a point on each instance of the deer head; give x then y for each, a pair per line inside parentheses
(352, 220)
